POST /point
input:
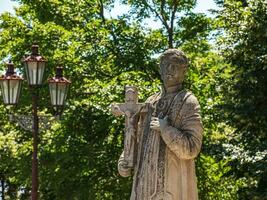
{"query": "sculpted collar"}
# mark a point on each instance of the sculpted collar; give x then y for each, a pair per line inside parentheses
(172, 89)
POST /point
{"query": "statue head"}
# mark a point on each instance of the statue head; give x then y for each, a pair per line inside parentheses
(131, 94)
(173, 67)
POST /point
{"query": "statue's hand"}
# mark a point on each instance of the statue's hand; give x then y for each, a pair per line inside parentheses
(154, 124)
(123, 164)
(123, 168)
(159, 124)
(163, 123)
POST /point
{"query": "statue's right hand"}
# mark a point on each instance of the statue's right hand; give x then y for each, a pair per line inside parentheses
(154, 124)
(123, 168)
(123, 164)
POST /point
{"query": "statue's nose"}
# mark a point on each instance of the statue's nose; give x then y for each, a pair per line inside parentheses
(170, 68)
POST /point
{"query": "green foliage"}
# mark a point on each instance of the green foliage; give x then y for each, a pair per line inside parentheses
(213, 181)
(213, 166)
(78, 159)
(243, 44)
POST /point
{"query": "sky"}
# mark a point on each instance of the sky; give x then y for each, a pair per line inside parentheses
(7, 5)
(202, 6)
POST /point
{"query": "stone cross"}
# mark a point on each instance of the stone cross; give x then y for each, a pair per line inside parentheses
(130, 110)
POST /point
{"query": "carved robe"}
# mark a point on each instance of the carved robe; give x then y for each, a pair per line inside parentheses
(164, 167)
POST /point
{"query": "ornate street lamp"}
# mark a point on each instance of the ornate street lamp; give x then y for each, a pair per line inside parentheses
(58, 87)
(35, 67)
(10, 85)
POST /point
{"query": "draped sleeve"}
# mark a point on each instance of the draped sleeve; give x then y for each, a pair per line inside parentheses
(185, 141)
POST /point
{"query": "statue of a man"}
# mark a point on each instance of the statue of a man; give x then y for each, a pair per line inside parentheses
(168, 138)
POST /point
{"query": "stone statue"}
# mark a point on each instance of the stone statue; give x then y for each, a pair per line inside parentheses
(162, 136)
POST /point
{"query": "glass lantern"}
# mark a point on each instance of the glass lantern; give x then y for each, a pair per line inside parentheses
(58, 87)
(10, 85)
(35, 67)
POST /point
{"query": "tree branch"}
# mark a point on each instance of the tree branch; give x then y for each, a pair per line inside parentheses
(175, 6)
(170, 31)
(159, 16)
(101, 11)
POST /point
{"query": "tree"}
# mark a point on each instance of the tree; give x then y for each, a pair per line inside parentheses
(243, 44)
(179, 24)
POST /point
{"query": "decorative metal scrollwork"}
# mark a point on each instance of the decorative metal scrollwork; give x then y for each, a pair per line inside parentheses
(26, 122)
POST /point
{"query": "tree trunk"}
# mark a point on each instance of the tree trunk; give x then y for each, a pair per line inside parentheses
(3, 189)
(170, 38)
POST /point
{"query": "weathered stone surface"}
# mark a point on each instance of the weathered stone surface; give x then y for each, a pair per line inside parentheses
(162, 136)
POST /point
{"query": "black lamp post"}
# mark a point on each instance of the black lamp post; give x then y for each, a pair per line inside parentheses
(11, 86)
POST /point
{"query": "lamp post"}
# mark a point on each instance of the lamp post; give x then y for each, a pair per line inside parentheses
(11, 87)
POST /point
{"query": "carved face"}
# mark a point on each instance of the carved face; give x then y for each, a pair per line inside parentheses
(130, 95)
(172, 71)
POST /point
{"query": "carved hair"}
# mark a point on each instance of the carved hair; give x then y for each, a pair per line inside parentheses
(173, 54)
